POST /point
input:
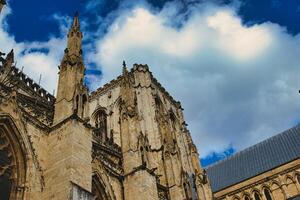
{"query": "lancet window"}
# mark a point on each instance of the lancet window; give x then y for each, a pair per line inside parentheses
(101, 125)
(256, 196)
(267, 194)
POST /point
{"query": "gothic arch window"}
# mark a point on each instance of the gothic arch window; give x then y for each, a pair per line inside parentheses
(98, 189)
(298, 178)
(100, 118)
(246, 197)
(84, 101)
(256, 196)
(267, 194)
(12, 163)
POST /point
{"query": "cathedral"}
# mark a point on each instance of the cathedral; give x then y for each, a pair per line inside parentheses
(127, 140)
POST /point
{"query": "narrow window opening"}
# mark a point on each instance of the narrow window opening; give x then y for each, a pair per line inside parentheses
(267, 194)
(256, 196)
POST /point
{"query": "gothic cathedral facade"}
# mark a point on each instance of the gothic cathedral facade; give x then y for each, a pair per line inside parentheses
(125, 141)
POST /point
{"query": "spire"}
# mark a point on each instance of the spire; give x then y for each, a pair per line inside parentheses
(74, 38)
(10, 58)
(125, 71)
(76, 24)
(71, 92)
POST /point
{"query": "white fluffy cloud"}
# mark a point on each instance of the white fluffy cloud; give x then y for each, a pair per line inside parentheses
(36, 58)
(238, 84)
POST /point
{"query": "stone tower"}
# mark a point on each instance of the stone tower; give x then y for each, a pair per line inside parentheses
(72, 95)
(69, 166)
(2, 3)
(125, 141)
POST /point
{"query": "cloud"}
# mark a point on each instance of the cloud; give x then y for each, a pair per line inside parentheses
(37, 58)
(237, 83)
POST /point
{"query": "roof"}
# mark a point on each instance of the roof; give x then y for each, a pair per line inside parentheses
(295, 198)
(257, 159)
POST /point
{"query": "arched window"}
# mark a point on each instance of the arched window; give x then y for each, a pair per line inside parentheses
(256, 196)
(298, 178)
(267, 194)
(84, 100)
(247, 198)
(101, 124)
(12, 163)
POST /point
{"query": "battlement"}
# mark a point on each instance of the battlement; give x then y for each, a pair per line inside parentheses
(29, 85)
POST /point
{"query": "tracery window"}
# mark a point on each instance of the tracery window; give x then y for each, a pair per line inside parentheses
(256, 196)
(267, 194)
(101, 125)
(12, 165)
(5, 169)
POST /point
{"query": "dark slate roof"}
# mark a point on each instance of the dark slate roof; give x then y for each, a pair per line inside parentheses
(295, 198)
(257, 159)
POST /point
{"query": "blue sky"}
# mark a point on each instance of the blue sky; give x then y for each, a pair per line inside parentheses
(32, 20)
(242, 55)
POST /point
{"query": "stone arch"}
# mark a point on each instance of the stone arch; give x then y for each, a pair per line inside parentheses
(291, 188)
(277, 190)
(267, 193)
(12, 160)
(246, 196)
(256, 195)
(96, 111)
(99, 119)
(235, 197)
(101, 186)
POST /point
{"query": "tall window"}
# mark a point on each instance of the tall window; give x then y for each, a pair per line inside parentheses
(267, 194)
(5, 173)
(12, 164)
(84, 100)
(257, 196)
(101, 124)
(298, 178)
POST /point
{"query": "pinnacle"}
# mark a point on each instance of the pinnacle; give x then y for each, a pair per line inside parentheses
(76, 24)
(125, 71)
